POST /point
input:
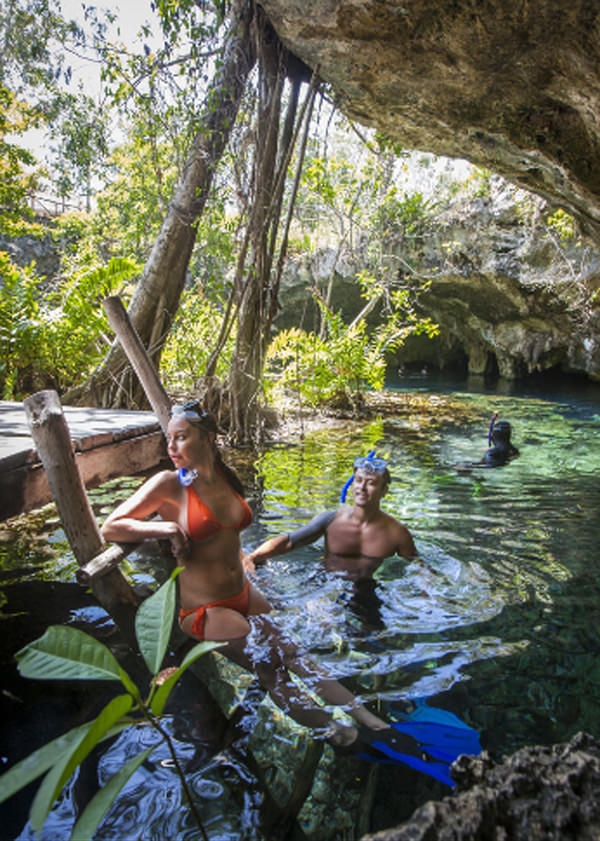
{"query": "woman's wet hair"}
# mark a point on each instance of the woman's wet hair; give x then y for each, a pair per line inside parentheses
(194, 414)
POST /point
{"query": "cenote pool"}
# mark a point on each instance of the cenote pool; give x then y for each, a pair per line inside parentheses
(497, 621)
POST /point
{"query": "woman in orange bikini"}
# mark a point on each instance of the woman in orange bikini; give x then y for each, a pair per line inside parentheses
(202, 511)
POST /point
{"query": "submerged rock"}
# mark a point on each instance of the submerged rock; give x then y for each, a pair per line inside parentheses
(537, 794)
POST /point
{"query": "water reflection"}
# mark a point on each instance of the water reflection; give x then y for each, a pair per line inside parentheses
(500, 550)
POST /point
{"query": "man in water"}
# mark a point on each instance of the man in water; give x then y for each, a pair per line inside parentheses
(357, 538)
(500, 450)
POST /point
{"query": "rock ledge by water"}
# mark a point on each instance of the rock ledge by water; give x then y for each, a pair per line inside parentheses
(537, 794)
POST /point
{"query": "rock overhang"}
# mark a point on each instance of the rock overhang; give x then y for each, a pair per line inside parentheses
(511, 86)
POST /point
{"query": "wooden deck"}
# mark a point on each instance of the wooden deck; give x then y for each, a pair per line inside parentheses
(107, 443)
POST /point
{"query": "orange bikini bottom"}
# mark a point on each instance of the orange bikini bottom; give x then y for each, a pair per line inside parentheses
(239, 603)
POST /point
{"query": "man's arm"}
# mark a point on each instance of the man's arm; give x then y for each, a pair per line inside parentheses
(271, 547)
(406, 545)
(287, 542)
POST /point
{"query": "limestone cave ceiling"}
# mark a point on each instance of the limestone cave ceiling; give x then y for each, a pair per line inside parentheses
(511, 85)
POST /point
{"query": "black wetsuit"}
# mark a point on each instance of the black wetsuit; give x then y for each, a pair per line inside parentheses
(501, 450)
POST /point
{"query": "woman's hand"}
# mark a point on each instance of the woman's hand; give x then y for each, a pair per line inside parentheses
(248, 563)
(180, 542)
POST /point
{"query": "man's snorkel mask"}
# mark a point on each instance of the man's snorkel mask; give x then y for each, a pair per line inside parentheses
(369, 464)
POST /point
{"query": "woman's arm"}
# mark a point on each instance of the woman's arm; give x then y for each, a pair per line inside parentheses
(128, 523)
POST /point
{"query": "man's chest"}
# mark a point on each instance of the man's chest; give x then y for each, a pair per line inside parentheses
(347, 538)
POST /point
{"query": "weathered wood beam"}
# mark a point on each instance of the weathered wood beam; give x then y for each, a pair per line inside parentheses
(139, 358)
(101, 564)
(51, 436)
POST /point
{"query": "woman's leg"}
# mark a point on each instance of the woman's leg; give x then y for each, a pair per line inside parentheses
(311, 673)
(264, 659)
(257, 603)
(271, 658)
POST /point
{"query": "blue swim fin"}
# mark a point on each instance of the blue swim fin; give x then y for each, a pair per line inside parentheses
(437, 733)
(440, 741)
(438, 770)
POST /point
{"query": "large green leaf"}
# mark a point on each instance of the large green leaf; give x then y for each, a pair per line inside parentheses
(67, 653)
(103, 799)
(80, 747)
(153, 623)
(164, 690)
(38, 762)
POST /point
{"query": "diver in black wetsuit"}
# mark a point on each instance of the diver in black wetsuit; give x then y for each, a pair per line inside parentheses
(501, 450)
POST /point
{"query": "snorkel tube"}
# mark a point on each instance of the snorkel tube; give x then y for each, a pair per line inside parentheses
(492, 429)
(351, 479)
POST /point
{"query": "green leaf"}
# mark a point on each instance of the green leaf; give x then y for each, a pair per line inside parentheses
(80, 747)
(164, 690)
(103, 799)
(129, 684)
(153, 623)
(38, 762)
(69, 654)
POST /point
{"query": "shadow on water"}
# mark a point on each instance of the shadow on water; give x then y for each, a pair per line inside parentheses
(496, 621)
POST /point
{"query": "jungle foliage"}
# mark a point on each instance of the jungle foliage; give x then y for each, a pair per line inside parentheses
(65, 653)
(293, 182)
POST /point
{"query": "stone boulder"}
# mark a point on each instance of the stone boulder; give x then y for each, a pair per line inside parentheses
(537, 794)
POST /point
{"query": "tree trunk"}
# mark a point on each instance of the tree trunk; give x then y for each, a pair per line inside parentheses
(157, 294)
(247, 364)
(258, 301)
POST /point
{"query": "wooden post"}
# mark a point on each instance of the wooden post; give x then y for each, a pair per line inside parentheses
(138, 357)
(102, 564)
(53, 442)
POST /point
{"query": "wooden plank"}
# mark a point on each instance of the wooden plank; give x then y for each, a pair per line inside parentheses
(25, 487)
(101, 564)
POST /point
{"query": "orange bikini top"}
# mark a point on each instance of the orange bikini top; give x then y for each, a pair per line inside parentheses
(202, 523)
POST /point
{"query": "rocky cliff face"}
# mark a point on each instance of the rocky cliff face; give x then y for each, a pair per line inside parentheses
(510, 297)
(511, 85)
(537, 794)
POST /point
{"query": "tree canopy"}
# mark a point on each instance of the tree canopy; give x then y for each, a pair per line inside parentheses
(205, 158)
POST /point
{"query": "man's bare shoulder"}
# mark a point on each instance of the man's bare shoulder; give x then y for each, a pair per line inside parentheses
(401, 536)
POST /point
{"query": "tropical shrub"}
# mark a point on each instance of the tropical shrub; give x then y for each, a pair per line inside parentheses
(64, 653)
(20, 327)
(335, 369)
(53, 341)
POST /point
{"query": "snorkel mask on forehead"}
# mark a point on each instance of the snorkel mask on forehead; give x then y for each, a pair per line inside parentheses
(368, 464)
(193, 412)
(191, 409)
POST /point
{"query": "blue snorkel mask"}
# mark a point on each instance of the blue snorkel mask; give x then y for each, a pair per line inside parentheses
(369, 464)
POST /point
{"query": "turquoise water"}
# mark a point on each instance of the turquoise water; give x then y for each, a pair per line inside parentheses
(496, 621)
(501, 611)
